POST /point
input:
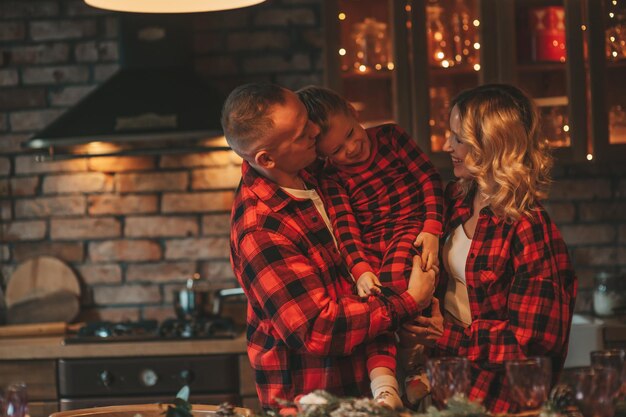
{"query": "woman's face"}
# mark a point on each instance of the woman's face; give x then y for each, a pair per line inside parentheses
(456, 147)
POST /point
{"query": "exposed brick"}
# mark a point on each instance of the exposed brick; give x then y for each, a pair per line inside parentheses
(297, 81)
(29, 165)
(156, 226)
(28, 121)
(23, 98)
(192, 160)
(595, 256)
(45, 53)
(622, 233)
(11, 143)
(620, 190)
(12, 31)
(561, 212)
(5, 166)
(5, 210)
(100, 273)
(5, 252)
(588, 234)
(23, 230)
(584, 302)
(69, 95)
(153, 181)
(216, 225)
(96, 51)
(114, 314)
(159, 313)
(585, 276)
(6, 271)
(4, 122)
(216, 65)
(276, 63)
(5, 188)
(44, 30)
(200, 248)
(77, 229)
(67, 251)
(208, 42)
(24, 186)
(8, 77)
(197, 202)
(580, 189)
(124, 250)
(103, 72)
(258, 40)
(121, 204)
(284, 17)
(80, 8)
(313, 38)
(227, 19)
(160, 272)
(217, 271)
(22, 9)
(216, 178)
(55, 75)
(50, 206)
(127, 294)
(111, 25)
(76, 183)
(621, 255)
(609, 211)
(121, 163)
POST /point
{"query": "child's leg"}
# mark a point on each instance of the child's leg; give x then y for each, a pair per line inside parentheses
(385, 388)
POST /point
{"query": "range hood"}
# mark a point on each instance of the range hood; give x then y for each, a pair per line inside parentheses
(155, 103)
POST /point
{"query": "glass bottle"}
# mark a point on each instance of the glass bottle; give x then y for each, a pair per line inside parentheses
(15, 400)
(608, 294)
(439, 52)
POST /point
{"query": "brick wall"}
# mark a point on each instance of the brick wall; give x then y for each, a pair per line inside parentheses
(133, 228)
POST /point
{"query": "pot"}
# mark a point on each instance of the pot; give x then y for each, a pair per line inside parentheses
(194, 302)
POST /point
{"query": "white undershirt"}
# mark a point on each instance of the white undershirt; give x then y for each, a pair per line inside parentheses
(455, 251)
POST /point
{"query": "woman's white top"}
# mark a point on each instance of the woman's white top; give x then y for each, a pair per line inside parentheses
(455, 251)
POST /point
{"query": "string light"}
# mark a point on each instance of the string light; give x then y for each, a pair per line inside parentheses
(589, 157)
(476, 22)
(476, 67)
(342, 16)
(342, 51)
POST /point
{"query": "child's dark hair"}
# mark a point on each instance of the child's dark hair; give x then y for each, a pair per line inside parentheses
(321, 103)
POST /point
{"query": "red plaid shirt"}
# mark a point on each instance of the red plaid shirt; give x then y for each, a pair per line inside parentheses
(391, 198)
(306, 330)
(522, 290)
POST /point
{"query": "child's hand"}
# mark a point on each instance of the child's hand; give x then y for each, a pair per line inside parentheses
(367, 284)
(430, 249)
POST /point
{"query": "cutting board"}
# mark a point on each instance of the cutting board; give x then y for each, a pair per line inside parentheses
(39, 277)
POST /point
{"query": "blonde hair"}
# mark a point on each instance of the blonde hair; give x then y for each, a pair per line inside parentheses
(509, 161)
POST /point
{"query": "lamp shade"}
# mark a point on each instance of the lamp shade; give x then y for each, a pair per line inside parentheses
(170, 6)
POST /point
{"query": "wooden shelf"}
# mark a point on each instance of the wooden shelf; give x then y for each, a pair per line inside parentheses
(369, 75)
(457, 70)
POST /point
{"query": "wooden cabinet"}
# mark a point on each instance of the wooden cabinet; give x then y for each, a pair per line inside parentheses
(40, 377)
(404, 61)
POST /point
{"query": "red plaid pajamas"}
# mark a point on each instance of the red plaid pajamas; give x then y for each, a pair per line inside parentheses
(379, 207)
(306, 330)
(522, 290)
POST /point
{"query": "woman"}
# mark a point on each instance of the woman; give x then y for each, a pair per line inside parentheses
(508, 288)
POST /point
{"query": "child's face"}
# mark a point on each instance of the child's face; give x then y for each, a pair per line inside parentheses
(345, 142)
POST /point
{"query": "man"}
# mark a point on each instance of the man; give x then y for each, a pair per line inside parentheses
(306, 329)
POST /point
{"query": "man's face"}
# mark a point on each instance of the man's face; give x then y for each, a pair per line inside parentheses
(291, 143)
(345, 142)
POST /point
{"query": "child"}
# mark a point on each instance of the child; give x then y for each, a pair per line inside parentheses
(395, 203)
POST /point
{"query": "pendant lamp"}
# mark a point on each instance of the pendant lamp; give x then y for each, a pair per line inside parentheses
(170, 6)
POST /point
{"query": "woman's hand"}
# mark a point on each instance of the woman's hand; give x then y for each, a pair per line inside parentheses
(423, 330)
(421, 283)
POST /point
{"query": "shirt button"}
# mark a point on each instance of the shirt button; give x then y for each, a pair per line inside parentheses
(314, 219)
(472, 255)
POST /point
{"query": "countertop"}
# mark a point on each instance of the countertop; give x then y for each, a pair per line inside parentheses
(52, 347)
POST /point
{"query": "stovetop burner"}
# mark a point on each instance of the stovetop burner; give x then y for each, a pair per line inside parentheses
(151, 330)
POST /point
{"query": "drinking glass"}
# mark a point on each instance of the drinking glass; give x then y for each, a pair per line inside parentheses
(529, 380)
(449, 376)
(15, 400)
(593, 389)
(614, 359)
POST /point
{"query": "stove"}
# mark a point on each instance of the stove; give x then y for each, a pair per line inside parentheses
(173, 329)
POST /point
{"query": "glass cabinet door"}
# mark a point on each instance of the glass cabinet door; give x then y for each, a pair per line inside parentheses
(607, 71)
(446, 42)
(368, 61)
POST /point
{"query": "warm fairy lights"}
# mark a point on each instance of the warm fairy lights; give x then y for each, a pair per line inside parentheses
(342, 16)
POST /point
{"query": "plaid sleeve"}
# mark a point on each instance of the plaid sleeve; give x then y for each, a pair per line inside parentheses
(539, 305)
(427, 177)
(345, 226)
(281, 280)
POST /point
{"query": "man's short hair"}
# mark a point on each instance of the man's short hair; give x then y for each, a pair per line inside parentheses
(322, 103)
(246, 115)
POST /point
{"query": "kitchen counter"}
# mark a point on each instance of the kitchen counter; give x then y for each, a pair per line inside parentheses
(53, 348)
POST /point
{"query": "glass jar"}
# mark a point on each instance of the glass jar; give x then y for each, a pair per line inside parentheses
(371, 45)
(608, 295)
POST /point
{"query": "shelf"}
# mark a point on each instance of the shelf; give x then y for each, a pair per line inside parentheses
(369, 75)
(460, 70)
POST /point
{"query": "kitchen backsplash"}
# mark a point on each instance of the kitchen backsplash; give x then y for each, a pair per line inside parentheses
(133, 228)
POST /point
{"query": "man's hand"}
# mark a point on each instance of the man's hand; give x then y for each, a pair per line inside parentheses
(430, 249)
(421, 283)
(423, 330)
(367, 285)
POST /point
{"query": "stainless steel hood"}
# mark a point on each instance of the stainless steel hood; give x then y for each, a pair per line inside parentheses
(155, 103)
